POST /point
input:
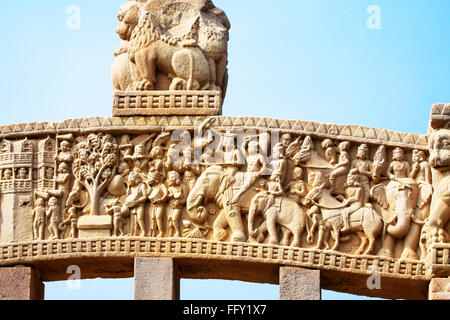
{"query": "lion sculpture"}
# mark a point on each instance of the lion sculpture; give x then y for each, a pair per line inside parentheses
(161, 51)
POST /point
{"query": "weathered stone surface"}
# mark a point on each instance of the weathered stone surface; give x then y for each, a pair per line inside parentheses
(439, 289)
(156, 279)
(299, 284)
(20, 283)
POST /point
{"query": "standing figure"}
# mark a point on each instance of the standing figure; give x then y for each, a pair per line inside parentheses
(177, 200)
(137, 196)
(63, 181)
(119, 212)
(53, 215)
(318, 223)
(157, 160)
(364, 167)
(421, 169)
(342, 167)
(72, 220)
(297, 187)
(279, 166)
(399, 167)
(39, 219)
(158, 196)
(255, 167)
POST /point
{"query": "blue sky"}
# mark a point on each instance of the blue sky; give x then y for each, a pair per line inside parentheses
(289, 59)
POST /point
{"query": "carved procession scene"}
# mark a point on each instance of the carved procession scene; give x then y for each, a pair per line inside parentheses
(243, 186)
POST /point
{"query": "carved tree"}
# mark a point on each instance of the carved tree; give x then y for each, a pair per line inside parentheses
(95, 164)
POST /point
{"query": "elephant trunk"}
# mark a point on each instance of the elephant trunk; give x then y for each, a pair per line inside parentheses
(194, 202)
(402, 226)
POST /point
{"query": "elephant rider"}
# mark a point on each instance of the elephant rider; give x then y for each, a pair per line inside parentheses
(232, 158)
(279, 166)
(343, 165)
(399, 167)
(355, 197)
(364, 166)
(255, 167)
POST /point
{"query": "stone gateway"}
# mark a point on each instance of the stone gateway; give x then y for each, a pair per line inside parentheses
(169, 187)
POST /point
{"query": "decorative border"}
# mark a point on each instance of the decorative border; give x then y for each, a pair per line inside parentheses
(441, 255)
(144, 103)
(130, 247)
(158, 123)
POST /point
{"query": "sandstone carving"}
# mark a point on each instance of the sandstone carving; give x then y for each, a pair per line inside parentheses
(172, 46)
(167, 175)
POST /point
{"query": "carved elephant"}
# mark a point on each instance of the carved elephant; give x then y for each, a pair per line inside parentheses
(207, 189)
(402, 197)
(284, 212)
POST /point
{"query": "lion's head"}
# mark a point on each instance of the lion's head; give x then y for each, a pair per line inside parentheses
(128, 17)
(439, 145)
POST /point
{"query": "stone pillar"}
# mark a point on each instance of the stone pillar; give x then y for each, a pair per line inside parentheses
(20, 283)
(156, 279)
(439, 289)
(299, 284)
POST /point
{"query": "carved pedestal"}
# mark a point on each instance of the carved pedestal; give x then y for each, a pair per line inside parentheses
(156, 279)
(439, 289)
(20, 283)
(94, 226)
(299, 284)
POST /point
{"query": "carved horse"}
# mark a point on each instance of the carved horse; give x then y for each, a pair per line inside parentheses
(365, 221)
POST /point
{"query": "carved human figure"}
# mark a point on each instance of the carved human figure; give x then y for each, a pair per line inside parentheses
(7, 174)
(278, 166)
(158, 196)
(49, 173)
(364, 167)
(318, 223)
(379, 164)
(63, 181)
(126, 147)
(355, 197)
(52, 214)
(330, 152)
(71, 220)
(421, 171)
(140, 159)
(343, 165)
(65, 152)
(118, 211)
(135, 201)
(38, 217)
(399, 167)
(297, 187)
(177, 196)
(255, 167)
(23, 173)
(157, 159)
